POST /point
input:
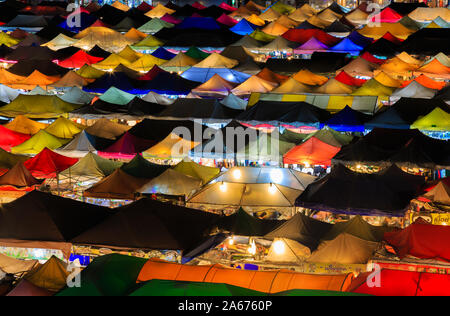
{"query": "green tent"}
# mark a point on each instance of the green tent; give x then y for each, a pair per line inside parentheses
(185, 288)
(261, 36)
(293, 137)
(148, 43)
(282, 8)
(139, 167)
(92, 166)
(261, 148)
(331, 137)
(196, 53)
(8, 160)
(38, 106)
(190, 168)
(117, 96)
(357, 227)
(155, 25)
(243, 224)
(109, 275)
(38, 142)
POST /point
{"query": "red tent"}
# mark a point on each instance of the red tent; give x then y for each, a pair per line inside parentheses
(226, 20)
(387, 16)
(126, 147)
(227, 7)
(312, 152)
(78, 60)
(371, 58)
(403, 283)
(152, 73)
(345, 78)
(9, 138)
(144, 7)
(302, 36)
(391, 38)
(47, 164)
(198, 5)
(420, 240)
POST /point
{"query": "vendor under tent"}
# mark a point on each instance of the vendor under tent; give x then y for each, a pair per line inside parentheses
(34, 215)
(405, 148)
(362, 192)
(172, 183)
(155, 225)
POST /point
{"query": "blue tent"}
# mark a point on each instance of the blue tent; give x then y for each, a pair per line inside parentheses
(198, 23)
(168, 83)
(243, 27)
(204, 74)
(118, 80)
(86, 21)
(359, 39)
(347, 46)
(163, 53)
(347, 120)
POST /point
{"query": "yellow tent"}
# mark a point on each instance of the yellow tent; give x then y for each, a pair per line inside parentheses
(129, 54)
(98, 31)
(181, 62)
(287, 22)
(118, 5)
(334, 86)
(172, 147)
(8, 40)
(256, 20)
(59, 42)
(22, 124)
(436, 120)
(64, 128)
(214, 87)
(89, 72)
(217, 61)
(329, 15)
(146, 62)
(269, 15)
(35, 79)
(302, 13)
(292, 86)
(135, 35)
(307, 77)
(190, 168)
(316, 21)
(38, 142)
(8, 78)
(111, 62)
(357, 16)
(378, 31)
(148, 42)
(387, 80)
(375, 88)
(105, 38)
(159, 11)
(407, 58)
(52, 275)
(274, 28)
(397, 67)
(253, 84)
(359, 67)
(429, 14)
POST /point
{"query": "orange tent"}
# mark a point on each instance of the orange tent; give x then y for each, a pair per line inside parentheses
(427, 82)
(269, 75)
(36, 78)
(312, 152)
(264, 281)
(435, 69)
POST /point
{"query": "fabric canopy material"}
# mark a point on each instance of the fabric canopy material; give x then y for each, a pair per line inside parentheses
(47, 164)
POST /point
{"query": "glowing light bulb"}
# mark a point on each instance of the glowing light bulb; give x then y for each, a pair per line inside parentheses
(223, 187)
(231, 241)
(272, 188)
(237, 174)
(307, 165)
(252, 248)
(278, 247)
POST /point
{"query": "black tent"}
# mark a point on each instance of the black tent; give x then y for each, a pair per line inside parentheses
(110, 15)
(139, 167)
(46, 67)
(197, 37)
(343, 191)
(40, 216)
(139, 107)
(383, 47)
(427, 41)
(409, 148)
(276, 112)
(149, 224)
(306, 230)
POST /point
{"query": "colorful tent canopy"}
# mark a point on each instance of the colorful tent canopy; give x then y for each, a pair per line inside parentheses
(64, 128)
(47, 164)
(92, 166)
(264, 281)
(38, 142)
(357, 227)
(311, 152)
(52, 275)
(18, 177)
(9, 138)
(195, 170)
(172, 182)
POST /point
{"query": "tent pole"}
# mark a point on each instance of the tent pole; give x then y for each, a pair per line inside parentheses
(57, 183)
